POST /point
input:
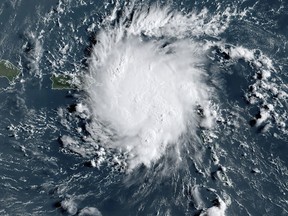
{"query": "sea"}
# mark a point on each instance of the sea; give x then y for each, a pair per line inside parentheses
(172, 108)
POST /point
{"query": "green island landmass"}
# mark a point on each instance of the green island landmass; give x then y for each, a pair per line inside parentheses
(61, 81)
(8, 70)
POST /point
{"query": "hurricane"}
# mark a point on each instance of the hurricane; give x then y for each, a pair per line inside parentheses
(144, 108)
(146, 81)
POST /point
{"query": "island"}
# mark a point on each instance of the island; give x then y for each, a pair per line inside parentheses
(62, 81)
(8, 70)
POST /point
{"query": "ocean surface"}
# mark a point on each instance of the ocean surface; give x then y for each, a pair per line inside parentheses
(180, 108)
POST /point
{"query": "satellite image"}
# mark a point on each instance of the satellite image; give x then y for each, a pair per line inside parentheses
(144, 108)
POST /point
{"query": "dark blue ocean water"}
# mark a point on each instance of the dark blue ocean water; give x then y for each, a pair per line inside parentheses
(41, 177)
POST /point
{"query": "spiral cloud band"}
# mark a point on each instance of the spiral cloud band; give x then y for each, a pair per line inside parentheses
(146, 78)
